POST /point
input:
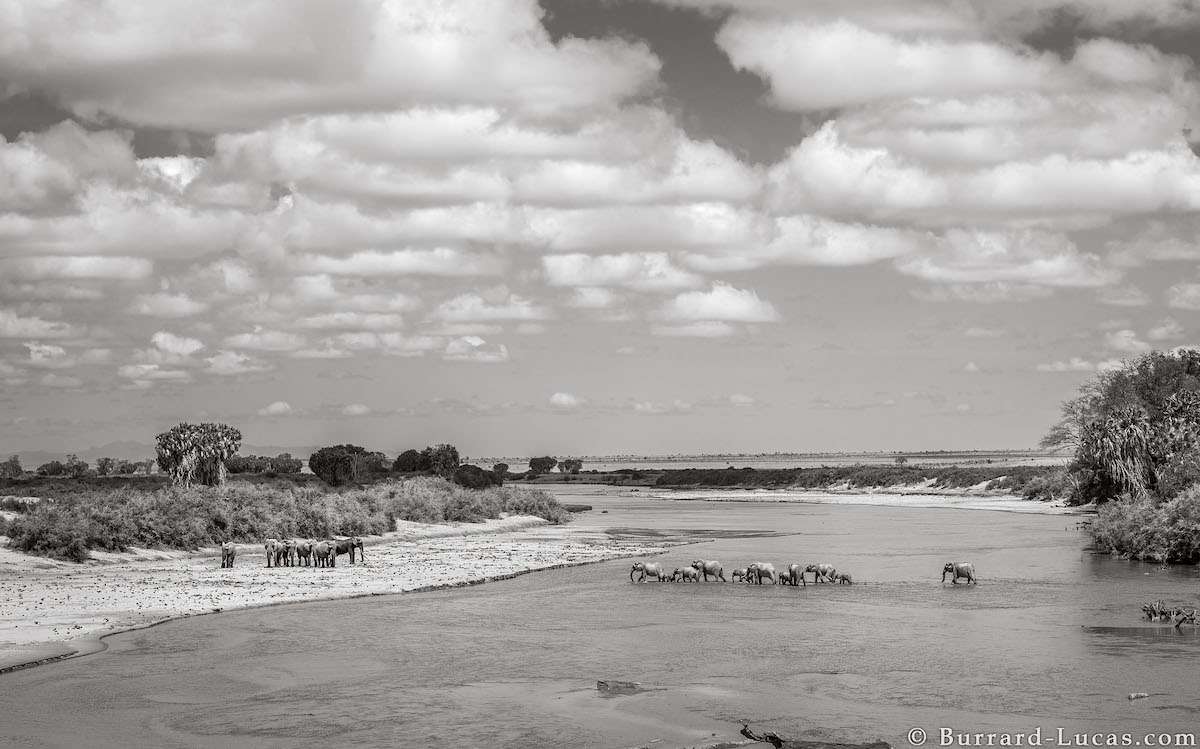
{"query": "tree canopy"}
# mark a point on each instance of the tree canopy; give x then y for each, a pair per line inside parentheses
(197, 452)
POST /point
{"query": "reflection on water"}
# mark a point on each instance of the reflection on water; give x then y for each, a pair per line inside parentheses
(1050, 637)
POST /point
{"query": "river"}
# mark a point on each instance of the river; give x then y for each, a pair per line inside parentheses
(1050, 638)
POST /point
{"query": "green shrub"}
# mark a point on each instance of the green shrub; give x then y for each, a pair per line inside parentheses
(473, 477)
(1145, 528)
(441, 459)
(542, 465)
(346, 464)
(410, 461)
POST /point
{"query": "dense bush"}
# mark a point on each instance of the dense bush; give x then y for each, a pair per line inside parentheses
(410, 461)
(501, 471)
(1143, 528)
(542, 465)
(347, 464)
(474, 477)
(200, 516)
(441, 459)
(571, 465)
(11, 468)
(282, 463)
(52, 468)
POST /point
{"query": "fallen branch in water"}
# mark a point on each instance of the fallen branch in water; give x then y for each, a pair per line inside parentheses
(775, 740)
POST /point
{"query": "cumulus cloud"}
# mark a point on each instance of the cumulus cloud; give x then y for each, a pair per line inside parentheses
(277, 408)
(1126, 341)
(476, 307)
(649, 271)
(565, 401)
(586, 297)
(166, 305)
(1074, 364)
(13, 325)
(700, 329)
(53, 380)
(741, 400)
(174, 344)
(75, 268)
(475, 349)
(233, 363)
(356, 409)
(1123, 296)
(266, 340)
(721, 302)
(1184, 296)
(1167, 329)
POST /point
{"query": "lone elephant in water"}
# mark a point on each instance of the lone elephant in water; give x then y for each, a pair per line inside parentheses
(843, 578)
(707, 568)
(959, 569)
(228, 554)
(304, 550)
(648, 569)
(794, 576)
(348, 545)
(325, 553)
(822, 573)
(760, 570)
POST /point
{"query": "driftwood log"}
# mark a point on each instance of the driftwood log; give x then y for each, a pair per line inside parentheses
(1159, 611)
(775, 740)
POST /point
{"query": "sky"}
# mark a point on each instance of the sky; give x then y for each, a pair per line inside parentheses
(589, 226)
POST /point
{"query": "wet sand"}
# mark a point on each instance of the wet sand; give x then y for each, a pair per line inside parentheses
(51, 609)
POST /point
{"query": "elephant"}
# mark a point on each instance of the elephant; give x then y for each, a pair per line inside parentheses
(285, 553)
(269, 547)
(707, 568)
(794, 576)
(686, 574)
(739, 575)
(325, 553)
(822, 573)
(304, 550)
(228, 554)
(843, 578)
(648, 569)
(348, 545)
(759, 570)
(960, 569)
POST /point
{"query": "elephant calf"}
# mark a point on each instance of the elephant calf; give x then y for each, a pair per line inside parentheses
(228, 554)
(686, 574)
(959, 570)
(843, 578)
(738, 575)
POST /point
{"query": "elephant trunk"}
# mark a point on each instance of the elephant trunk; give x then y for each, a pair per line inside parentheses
(635, 570)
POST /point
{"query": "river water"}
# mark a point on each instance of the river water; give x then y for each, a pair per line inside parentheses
(1050, 638)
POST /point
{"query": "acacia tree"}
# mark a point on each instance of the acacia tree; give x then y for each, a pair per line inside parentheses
(196, 453)
(441, 459)
(542, 465)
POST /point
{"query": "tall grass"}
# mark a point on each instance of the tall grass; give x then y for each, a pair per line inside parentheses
(1150, 529)
(201, 516)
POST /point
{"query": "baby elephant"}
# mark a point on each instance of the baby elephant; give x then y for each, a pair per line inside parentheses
(959, 570)
(686, 574)
(843, 578)
(739, 575)
(228, 554)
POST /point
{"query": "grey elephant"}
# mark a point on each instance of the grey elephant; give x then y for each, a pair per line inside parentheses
(304, 550)
(738, 575)
(269, 546)
(760, 570)
(325, 553)
(822, 573)
(843, 578)
(710, 567)
(285, 553)
(959, 569)
(687, 575)
(348, 545)
(648, 569)
(228, 554)
(794, 576)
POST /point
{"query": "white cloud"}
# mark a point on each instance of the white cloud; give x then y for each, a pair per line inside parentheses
(721, 302)
(474, 307)
(475, 349)
(75, 268)
(1126, 341)
(277, 408)
(983, 293)
(356, 409)
(1184, 296)
(647, 271)
(654, 408)
(167, 305)
(60, 381)
(266, 340)
(1123, 296)
(48, 356)
(373, 263)
(13, 325)
(700, 329)
(971, 367)
(1167, 329)
(351, 321)
(565, 401)
(982, 332)
(146, 373)
(741, 400)
(174, 344)
(586, 297)
(232, 363)
(1026, 257)
(1074, 364)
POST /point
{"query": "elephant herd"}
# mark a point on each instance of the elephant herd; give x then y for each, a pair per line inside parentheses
(296, 552)
(757, 572)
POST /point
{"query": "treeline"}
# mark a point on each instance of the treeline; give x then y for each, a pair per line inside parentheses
(1035, 482)
(74, 467)
(177, 518)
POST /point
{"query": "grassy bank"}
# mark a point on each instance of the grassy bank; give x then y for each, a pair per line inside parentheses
(1035, 482)
(1150, 529)
(114, 519)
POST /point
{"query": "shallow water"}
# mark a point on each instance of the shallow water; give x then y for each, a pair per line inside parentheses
(1051, 637)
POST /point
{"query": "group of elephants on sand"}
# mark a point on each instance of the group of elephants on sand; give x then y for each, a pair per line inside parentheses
(756, 572)
(296, 552)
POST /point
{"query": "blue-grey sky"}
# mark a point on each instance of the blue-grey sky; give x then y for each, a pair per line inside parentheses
(589, 227)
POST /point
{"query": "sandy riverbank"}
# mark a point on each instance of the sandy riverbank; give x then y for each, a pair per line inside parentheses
(51, 609)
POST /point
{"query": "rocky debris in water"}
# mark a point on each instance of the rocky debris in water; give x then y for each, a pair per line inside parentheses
(612, 687)
(1138, 696)
(775, 740)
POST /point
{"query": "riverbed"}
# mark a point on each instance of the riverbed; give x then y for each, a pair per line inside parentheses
(1051, 637)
